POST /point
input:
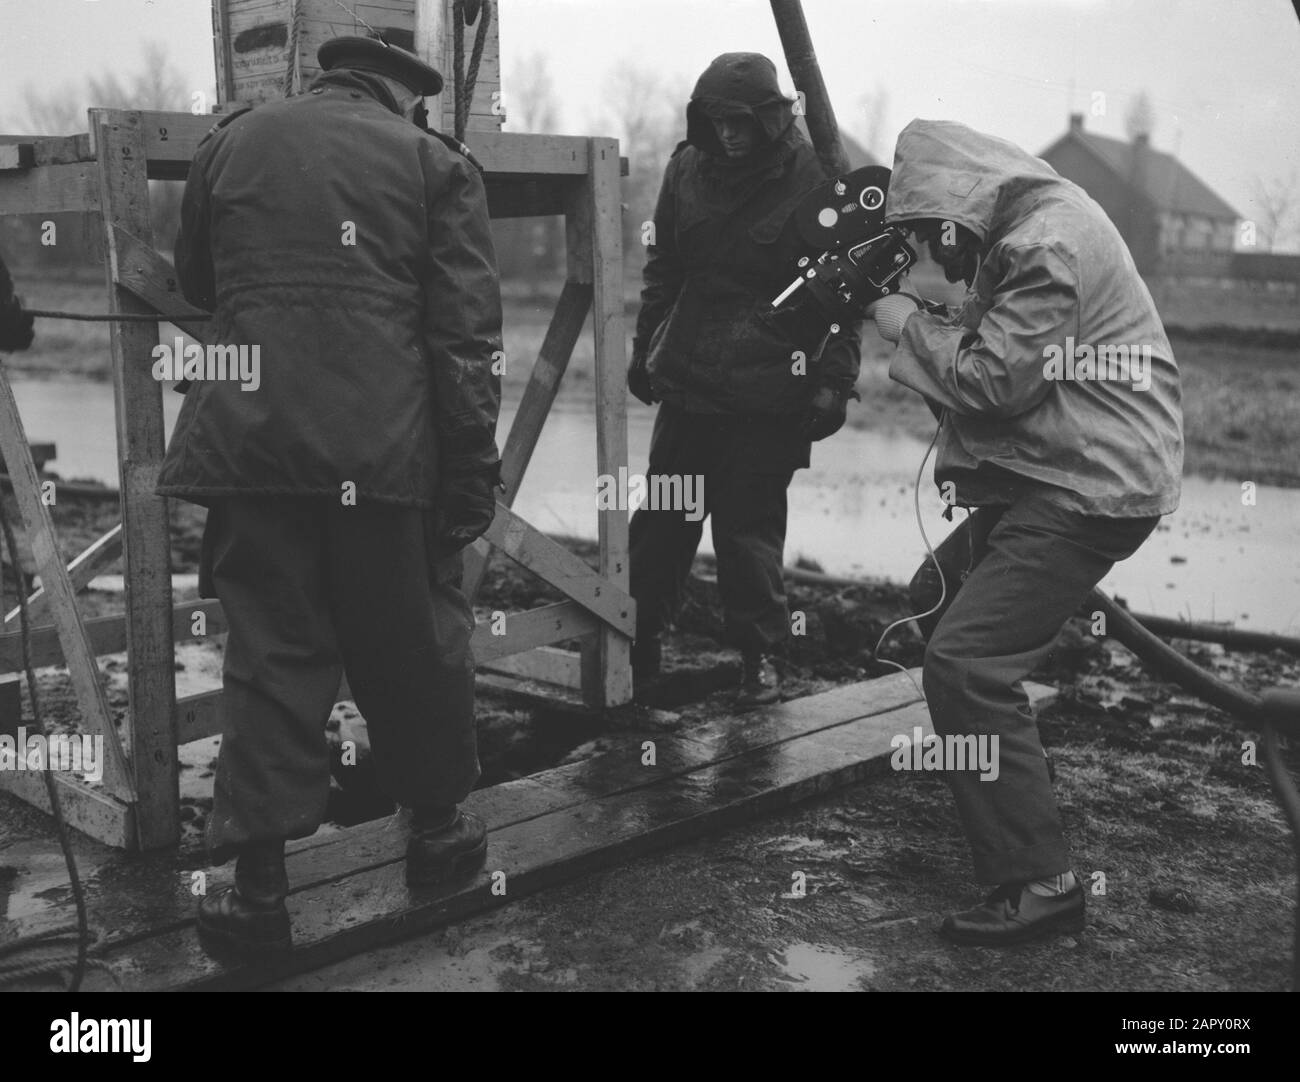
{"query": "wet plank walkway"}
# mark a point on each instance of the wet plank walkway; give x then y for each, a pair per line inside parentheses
(348, 891)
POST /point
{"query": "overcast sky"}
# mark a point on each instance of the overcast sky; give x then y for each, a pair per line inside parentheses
(1224, 77)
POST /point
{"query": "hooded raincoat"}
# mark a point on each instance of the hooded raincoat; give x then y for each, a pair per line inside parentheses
(724, 246)
(1056, 375)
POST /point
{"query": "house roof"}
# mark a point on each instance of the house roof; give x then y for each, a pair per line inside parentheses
(1169, 184)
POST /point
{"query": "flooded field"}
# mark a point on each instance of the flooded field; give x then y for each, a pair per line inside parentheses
(852, 512)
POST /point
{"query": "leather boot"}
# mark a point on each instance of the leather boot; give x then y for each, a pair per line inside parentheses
(1014, 914)
(251, 916)
(759, 682)
(447, 852)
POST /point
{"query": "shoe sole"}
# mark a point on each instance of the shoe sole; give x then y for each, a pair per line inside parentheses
(1072, 923)
(462, 866)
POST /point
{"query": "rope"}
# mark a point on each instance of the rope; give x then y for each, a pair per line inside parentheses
(76, 965)
(465, 81)
(292, 82)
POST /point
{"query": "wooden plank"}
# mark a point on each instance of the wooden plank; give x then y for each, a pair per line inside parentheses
(528, 197)
(16, 156)
(141, 435)
(611, 672)
(151, 279)
(108, 635)
(517, 153)
(82, 668)
(542, 626)
(53, 149)
(371, 906)
(50, 189)
(555, 564)
(328, 857)
(539, 395)
(81, 570)
(88, 810)
(158, 901)
(545, 663)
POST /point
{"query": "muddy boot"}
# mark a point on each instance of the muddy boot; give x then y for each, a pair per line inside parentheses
(250, 917)
(446, 844)
(1013, 914)
(759, 682)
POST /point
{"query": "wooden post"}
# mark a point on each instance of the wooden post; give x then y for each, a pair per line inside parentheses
(120, 142)
(611, 681)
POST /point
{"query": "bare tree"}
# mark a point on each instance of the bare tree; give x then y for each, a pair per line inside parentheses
(157, 84)
(532, 105)
(1277, 200)
(873, 114)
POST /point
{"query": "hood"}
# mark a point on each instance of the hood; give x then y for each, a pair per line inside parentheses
(737, 83)
(946, 170)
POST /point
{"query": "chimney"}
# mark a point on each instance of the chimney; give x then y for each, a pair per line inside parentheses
(1141, 154)
(1076, 122)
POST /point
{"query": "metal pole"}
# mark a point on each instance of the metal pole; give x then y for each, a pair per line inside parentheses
(807, 74)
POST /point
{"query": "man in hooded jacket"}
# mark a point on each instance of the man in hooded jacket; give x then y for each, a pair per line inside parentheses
(1061, 426)
(741, 402)
(354, 250)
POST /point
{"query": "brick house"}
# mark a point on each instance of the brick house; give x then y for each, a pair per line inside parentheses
(1172, 222)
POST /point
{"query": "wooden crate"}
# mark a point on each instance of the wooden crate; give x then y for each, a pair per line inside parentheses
(266, 49)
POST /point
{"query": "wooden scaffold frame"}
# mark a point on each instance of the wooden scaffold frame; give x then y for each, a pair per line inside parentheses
(105, 173)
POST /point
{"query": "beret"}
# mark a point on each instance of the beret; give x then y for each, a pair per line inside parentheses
(380, 58)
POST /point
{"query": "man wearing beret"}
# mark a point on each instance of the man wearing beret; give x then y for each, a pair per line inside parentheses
(353, 248)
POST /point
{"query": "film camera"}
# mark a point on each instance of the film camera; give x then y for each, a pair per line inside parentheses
(854, 258)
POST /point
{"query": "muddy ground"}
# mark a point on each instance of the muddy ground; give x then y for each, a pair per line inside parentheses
(1199, 877)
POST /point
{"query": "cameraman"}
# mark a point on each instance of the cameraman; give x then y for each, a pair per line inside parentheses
(1067, 469)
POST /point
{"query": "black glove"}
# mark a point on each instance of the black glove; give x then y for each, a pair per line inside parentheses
(826, 413)
(467, 503)
(638, 379)
(15, 325)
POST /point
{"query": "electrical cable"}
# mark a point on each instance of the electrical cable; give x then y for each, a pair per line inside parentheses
(118, 317)
(943, 583)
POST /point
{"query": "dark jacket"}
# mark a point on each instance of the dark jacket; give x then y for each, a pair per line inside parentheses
(376, 357)
(724, 246)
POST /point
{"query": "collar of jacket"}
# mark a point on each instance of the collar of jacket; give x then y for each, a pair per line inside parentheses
(351, 79)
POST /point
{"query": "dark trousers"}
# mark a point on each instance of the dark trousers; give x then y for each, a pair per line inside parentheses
(746, 464)
(311, 590)
(1027, 569)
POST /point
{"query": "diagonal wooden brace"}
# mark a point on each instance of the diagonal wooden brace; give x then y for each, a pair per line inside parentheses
(552, 562)
(82, 667)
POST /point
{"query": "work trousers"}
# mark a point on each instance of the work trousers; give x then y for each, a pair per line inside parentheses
(746, 464)
(1026, 568)
(311, 590)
